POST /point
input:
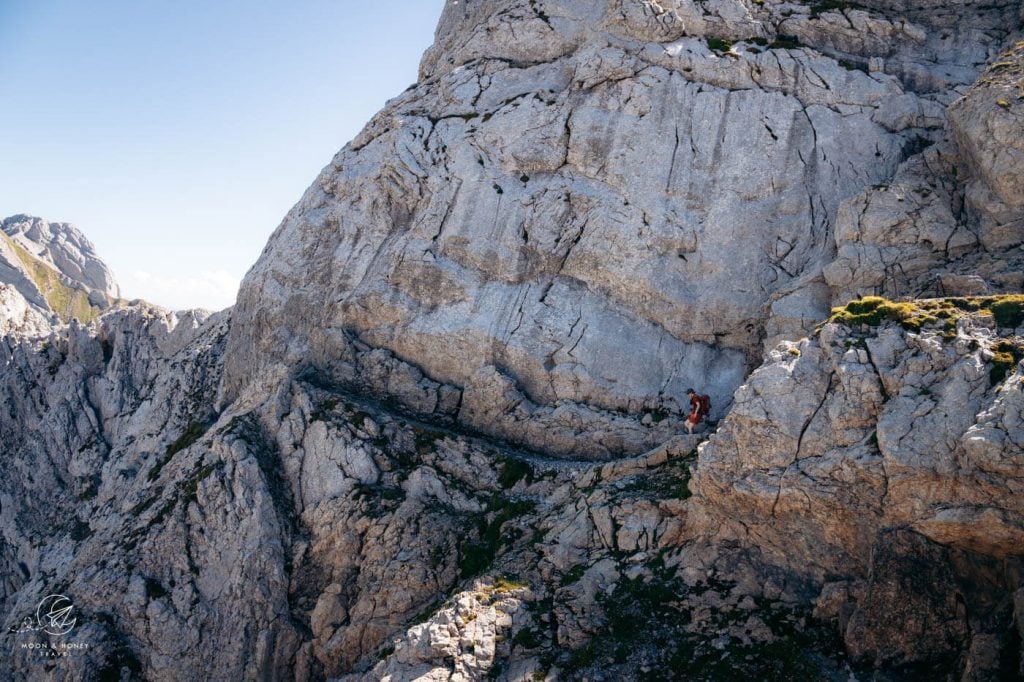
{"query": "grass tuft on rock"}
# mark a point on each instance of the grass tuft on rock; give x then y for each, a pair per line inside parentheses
(528, 638)
(1007, 355)
(785, 43)
(1007, 310)
(426, 439)
(873, 310)
(193, 432)
(667, 482)
(507, 583)
(573, 575)
(819, 8)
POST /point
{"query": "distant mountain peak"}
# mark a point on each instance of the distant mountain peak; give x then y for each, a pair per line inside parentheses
(63, 246)
(55, 267)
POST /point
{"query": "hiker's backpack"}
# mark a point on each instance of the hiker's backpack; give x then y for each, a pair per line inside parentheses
(705, 405)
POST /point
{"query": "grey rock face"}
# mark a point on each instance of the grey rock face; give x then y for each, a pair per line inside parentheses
(987, 125)
(86, 411)
(389, 459)
(950, 213)
(18, 316)
(840, 442)
(329, 523)
(603, 207)
(66, 249)
(16, 273)
(337, 524)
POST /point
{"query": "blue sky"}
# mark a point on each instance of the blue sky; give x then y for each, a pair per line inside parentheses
(177, 135)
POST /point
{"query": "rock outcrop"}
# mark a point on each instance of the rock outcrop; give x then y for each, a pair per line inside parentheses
(55, 268)
(571, 186)
(64, 248)
(949, 221)
(585, 222)
(883, 466)
(439, 437)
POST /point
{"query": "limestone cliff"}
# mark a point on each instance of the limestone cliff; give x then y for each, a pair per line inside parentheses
(54, 268)
(439, 435)
(572, 186)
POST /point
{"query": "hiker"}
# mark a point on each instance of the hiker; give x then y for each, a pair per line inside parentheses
(700, 406)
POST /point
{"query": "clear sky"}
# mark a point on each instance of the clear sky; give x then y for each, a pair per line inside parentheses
(177, 134)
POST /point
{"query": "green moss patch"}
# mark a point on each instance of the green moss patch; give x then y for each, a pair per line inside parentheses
(1007, 355)
(191, 488)
(193, 432)
(426, 439)
(514, 470)
(1007, 310)
(381, 499)
(784, 43)
(658, 414)
(719, 44)
(323, 412)
(943, 313)
(507, 583)
(528, 638)
(573, 575)
(1007, 72)
(648, 636)
(819, 8)
(476, 556)
(874, 310)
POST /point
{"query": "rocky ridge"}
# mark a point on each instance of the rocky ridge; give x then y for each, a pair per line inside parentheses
(335, 521)
(55, 269)
(423, 448)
